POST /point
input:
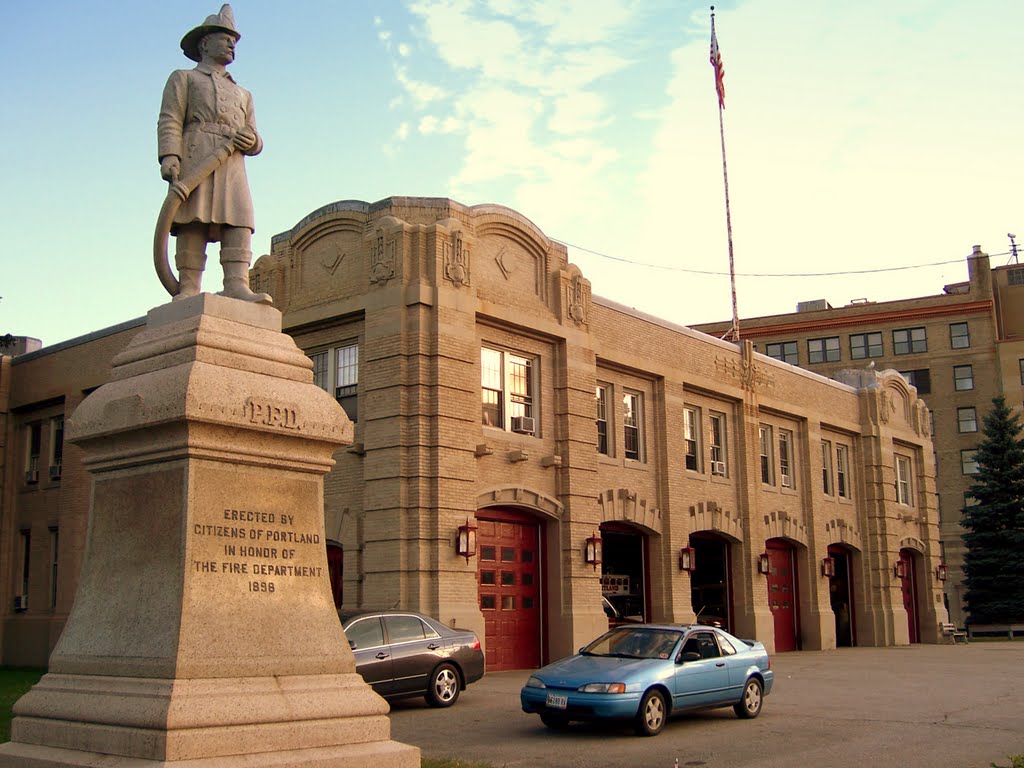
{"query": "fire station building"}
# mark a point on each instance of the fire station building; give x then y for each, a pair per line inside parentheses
(532, 461)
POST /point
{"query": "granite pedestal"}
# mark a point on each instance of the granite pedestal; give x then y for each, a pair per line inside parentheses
(203, 632)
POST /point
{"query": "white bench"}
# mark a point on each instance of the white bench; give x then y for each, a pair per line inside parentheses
(951, 633)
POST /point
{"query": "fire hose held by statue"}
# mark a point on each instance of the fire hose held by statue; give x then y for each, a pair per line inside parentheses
(178, 193)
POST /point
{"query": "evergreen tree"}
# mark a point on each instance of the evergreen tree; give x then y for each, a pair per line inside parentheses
(994, 523)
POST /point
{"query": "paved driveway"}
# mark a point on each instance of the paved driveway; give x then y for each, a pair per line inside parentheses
(925, 705)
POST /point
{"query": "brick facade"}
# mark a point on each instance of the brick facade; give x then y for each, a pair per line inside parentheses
(987, 308)
(427, 289)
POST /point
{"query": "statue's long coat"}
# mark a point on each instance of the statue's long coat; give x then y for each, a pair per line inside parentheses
(202, 108)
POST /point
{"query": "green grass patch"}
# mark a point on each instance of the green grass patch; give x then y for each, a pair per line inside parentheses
(1016, 761)
(14, 683)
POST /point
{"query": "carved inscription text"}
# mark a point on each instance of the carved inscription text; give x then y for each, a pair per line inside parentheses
(262, 547)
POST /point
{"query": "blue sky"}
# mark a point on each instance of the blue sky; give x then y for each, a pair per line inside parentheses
(859, 136)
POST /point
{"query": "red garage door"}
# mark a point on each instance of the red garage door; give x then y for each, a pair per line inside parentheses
(782, 594)
(509, 579)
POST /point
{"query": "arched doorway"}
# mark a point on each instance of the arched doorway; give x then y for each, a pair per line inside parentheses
(509, 587)
(907, 575)
(336, 570)
(782, 593)
(710, 582)
(624, 577)
(840, 589)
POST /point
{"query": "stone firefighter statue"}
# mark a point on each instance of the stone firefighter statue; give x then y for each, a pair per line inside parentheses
(205, 130)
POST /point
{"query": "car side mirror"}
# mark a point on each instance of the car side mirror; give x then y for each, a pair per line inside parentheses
(688, 656)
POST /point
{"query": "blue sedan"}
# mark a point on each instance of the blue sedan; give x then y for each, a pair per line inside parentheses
(647, 672)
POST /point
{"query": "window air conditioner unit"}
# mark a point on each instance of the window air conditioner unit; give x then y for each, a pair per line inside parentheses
(55, 471)
(523, 425)
(20, 602)
(787, 481)
(718, 468)
(32, 476)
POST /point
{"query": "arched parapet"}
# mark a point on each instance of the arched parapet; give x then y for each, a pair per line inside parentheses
(518, 496)
(625, 505)
(502, 221)
(709, 516)
(841, 531)
(785, 525)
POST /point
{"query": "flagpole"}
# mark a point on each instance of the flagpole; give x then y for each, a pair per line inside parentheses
(716, 62)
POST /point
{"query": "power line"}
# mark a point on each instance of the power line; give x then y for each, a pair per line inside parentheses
(715, 273)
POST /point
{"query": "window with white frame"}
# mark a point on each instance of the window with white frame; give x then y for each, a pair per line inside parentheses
(826, 467)
(963, 378)
(336, 370)
(786, 351)
(903, 487)
(907, 341)
(1020, 364)
(321, 374)
(863, 345)
(632, 426)
(824, 350)
(966, 419)
(33, 447)
(842, 471)
(969, 461)
(718, 444)
(765, 444)
(56, 447)
(959, 336)
(601, 419)
(786, 458)
(507, 384)
(691, 438)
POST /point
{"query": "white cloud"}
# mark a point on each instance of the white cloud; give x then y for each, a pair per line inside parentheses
(423, 94)
(431, 124)
(404, 50)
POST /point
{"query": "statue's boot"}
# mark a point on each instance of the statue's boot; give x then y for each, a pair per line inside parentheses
(190, 265)
(235, 262)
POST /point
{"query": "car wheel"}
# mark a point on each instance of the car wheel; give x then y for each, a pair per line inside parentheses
(750, 705)
(444, 686)
(554, 722)
(650, 718)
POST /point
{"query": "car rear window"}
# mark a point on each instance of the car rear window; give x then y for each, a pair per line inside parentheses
(402, 629)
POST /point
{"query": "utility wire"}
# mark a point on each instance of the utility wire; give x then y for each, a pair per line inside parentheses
(671, 268)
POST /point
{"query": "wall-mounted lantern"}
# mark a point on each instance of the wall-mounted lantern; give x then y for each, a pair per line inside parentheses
(764, 563)
(900, 569)
(941, 572)
(828, 567)
(687, 559)
(592, 550)
(465, 540)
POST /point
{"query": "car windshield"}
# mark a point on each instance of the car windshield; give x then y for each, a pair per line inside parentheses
(635, 643)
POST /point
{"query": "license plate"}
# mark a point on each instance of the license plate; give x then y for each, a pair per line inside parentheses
(555, 701)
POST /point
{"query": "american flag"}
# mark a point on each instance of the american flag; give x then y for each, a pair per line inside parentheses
(716, 62)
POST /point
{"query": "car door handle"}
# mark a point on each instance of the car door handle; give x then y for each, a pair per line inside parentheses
(382, 655)
(720, 664)
(433, 646)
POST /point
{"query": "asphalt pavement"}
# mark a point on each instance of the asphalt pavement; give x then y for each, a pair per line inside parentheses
(934, 706)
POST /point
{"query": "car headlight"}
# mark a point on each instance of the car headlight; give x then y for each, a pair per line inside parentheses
(535, 682)
(603, 688)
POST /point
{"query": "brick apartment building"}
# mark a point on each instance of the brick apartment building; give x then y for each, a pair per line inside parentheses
(525, 451)
(959, 349)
